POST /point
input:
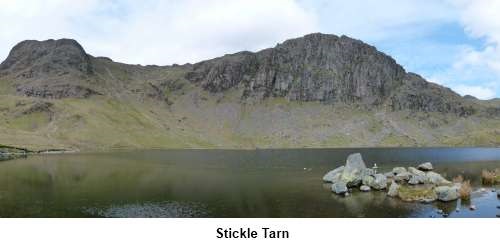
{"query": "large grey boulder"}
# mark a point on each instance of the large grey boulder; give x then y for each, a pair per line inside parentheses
(447, 193)
(404, 176)
(398, 170)
(379, 182)
(436, 179)
(425, 166)
(339, 187)
(354, 166)
(416, 171)
(333, 175)
(393, 189)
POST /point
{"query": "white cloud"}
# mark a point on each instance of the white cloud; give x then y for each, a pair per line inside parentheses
(382, 20)
(480, 92)
(481, 20)
(179, 31)
(154, 31)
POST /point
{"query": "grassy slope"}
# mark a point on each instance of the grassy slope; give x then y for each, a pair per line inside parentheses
(103, 123)
(198, 119)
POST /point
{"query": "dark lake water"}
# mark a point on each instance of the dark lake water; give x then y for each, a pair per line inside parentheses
(227, 183)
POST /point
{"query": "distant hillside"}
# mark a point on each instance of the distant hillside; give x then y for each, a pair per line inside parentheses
(315, 91)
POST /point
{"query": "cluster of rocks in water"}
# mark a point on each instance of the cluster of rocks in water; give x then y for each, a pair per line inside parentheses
(419, 183)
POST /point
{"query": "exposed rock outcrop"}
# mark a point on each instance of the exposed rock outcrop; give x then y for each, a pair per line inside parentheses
(330, 69)
(50, 69)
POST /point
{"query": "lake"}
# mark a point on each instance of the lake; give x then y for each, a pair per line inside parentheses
(227, 183)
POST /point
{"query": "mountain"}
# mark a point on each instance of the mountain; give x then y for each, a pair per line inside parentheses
(319, 90)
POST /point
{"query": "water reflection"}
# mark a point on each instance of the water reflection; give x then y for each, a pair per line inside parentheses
(262, 183)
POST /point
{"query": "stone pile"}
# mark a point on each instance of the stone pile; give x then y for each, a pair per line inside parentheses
(418, 183)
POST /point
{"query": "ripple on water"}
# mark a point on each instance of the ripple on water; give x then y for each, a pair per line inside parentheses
(168, 209)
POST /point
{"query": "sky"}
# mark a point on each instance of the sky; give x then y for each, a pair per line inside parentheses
(455, 43)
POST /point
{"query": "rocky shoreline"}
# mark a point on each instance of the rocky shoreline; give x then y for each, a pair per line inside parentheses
(10, 152)
(412, 184)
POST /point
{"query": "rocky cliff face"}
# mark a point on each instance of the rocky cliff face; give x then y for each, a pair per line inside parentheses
(315, 91)
(49, 69)
(329, 69)
(316, 67)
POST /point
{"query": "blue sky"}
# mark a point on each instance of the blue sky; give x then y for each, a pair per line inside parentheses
(455, 43)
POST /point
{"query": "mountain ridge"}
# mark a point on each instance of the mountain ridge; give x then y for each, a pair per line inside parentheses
(332, 73)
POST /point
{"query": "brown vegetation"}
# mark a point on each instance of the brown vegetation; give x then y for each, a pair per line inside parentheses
(489, 177)
(465, 190)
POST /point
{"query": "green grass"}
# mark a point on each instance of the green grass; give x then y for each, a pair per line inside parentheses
(416, 193)
(103, 123)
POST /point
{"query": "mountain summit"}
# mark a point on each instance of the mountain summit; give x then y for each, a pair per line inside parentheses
(291, 95)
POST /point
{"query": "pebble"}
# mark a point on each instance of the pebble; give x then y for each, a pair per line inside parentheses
(439, 211)
(498, 215)
(445, 215)
(483, 189)
(498, 206)
(458, 209)
(346, 194)
(472, 207)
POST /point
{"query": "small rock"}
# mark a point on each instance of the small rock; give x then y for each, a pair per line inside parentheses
(498, 207)
(403, 176)
(413, 181)
(445, 215)
(472, 207)
(346, 194)
(393, 189)
(439, 211)
(483, 190)
(380, 182)
(368, 180)
(425, 166)
(427, 200)
(364, 188)
(457, 210)
(498, 215)
(339, 187)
